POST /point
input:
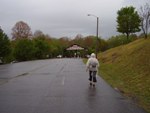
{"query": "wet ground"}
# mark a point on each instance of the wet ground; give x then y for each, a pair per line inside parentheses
(57, 86)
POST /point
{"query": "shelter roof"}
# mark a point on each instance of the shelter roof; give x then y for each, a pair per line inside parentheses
(75, 47)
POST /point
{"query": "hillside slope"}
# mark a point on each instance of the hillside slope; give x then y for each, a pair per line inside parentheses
(127, 68)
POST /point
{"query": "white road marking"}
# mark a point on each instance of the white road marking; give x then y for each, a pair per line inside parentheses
(63, 80)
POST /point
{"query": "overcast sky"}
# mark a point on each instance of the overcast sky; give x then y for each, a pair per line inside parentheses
(60, 18)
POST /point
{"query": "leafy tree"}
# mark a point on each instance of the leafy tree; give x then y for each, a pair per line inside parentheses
(64, 43)
(21, 30)
(118, 40)
(24, 50)
(103, 45)
(42, 48)
(145, 18)
(128, 21)
(5, 47)
(89, 41)
(56, 47)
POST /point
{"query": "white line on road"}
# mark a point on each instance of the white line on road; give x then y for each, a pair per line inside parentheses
(63, 80)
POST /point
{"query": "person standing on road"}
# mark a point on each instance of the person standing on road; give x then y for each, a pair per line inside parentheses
(92, 65)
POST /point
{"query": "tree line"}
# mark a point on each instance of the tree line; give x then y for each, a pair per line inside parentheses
(25, 45)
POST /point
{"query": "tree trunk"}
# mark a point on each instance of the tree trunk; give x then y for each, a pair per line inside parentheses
(127, 35)
(145, 35)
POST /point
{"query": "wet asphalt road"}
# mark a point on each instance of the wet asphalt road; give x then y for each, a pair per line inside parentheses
(57, 86)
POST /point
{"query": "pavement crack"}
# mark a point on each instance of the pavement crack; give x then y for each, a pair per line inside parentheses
(3, 81)
(6, 80)
(24, 74)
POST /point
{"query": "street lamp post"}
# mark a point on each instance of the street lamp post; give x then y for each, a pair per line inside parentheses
(97, 18)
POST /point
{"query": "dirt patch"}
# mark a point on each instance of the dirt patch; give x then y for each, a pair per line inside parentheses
(114, 57)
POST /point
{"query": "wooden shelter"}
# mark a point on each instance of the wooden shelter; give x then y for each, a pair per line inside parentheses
(75, 50)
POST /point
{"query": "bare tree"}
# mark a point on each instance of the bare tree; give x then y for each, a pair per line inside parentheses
(78, 36)
(38, 33)
(21, 30)
(145, 18)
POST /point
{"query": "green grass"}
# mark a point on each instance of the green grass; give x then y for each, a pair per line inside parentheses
(127, 68)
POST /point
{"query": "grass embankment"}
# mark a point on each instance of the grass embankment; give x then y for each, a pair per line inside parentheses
(127, 68)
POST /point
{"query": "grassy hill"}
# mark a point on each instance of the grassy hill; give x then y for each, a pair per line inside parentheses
(127, 68)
